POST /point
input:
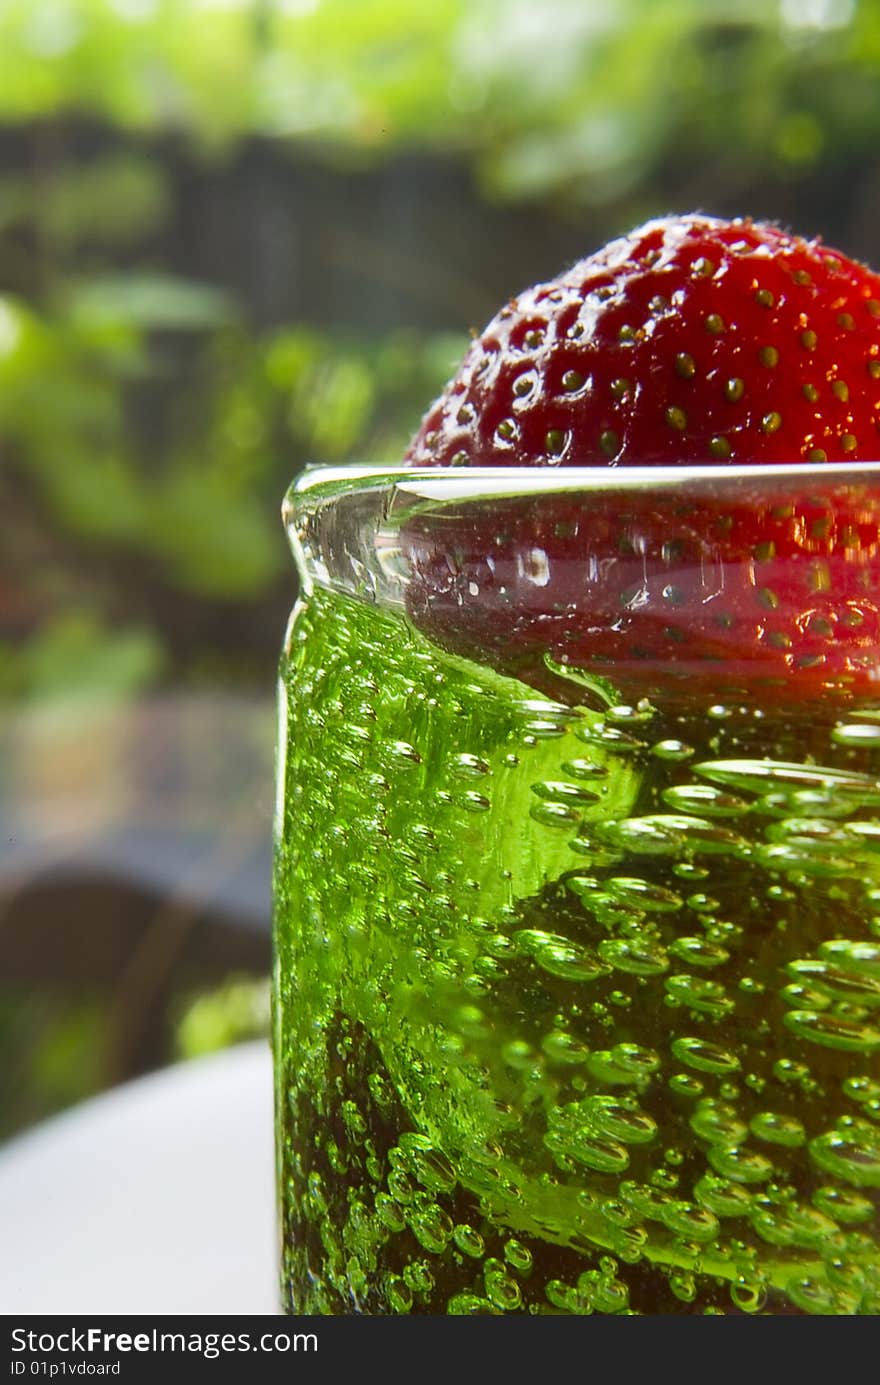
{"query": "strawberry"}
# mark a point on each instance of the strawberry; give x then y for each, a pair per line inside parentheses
(695, 584)
(693, 340)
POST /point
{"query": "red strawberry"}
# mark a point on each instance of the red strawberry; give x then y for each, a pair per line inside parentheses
(728, 586)
(691, 340)
(688, 340)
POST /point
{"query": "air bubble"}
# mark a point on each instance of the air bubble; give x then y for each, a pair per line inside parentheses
(866, 833)
(814, 833)
(654, 898)
(560, 1047)
(802, 997)
(557, 955)
(470, 1305)
(398, 1293)
(584, 769)
(518, 1054)
(748, 1297)
(790, 1070)
(764, 776)
(431, 1226)
(861, 1088)
(582, 885)
(468, 1240)
(700, 994)
(672, 750)
(832, 1032)
(402, 750)
(740, 1165)
(860, 989)
(428, 1163)
(400, 1187)
(629, 1243)
(544, 730)
(705, 799)
(470, 1021)
(804, 859)
(684, 1286)
(605, 1294)
(814, 1296)
(793, 1225)
(778, 1129)
(704, 1056)
(601, 1155)
(518, 1256)
(501, 1288)
(843, 1205)
(389, 1212)
(623, 1064)
(470, 766)
(562, 792)
(611, 737)
(634, 716)
(651, 836)
(647, 1201)
(723, 1197)
(688, 1220)
(664, 834)
(620, 1120)
(718, 1123)
(699, 952)
(852, 1154)
(636, 956)
(861, 736)
(554, 814)
(685, 1084)
(560, 1295)
(702, 903)
(857, 956)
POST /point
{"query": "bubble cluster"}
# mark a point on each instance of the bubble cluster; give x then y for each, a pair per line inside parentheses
(578, 1007)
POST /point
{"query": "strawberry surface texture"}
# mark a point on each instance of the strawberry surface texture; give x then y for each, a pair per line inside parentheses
(691, 342)
(691, 339)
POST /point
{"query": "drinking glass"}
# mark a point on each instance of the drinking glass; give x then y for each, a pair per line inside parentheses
(577, 901)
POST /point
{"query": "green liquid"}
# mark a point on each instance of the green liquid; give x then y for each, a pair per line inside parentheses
(577, 1008)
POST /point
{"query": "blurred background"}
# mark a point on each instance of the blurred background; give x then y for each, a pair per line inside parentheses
(237, 236)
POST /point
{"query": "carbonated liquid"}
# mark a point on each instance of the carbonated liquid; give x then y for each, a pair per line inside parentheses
(577, 1003)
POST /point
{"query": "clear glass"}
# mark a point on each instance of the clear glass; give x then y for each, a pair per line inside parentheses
(577, 922)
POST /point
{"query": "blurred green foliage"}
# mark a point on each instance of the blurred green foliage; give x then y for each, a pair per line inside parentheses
(54, 1053)
(230, 1014)
(207, 508)
(202, 506)
(536, 92)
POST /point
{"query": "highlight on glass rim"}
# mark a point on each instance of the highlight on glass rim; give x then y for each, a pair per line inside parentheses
(577, 942)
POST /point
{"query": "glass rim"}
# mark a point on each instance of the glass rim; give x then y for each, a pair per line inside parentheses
(343, 523)
(319, 483)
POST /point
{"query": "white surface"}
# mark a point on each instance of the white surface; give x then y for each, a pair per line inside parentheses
(156, 1198)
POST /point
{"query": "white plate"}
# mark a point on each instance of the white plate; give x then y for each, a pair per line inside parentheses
(155, 1198)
